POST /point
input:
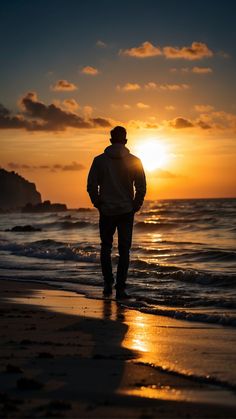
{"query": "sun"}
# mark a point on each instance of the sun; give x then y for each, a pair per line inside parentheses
(153, 154)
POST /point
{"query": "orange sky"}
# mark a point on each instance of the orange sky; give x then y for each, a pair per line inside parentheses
(174, 92)
(196, 164)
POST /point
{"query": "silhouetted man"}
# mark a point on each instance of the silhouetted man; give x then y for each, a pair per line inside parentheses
(116, 186)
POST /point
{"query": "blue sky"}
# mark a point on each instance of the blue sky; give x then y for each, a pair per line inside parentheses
(60, 35)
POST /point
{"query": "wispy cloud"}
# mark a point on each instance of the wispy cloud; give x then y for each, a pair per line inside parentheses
(174, 87)
(196, 51)
(129, 87)
(37, 116)
(151, 85)
(63, 86)
(169, 108)
(139, 124)
(101, 44)
(89, 70)
(195, 70)
(221, 120)
(204, 108)
(166, 86)
(202, 70)
(142, 105)
(74, 166)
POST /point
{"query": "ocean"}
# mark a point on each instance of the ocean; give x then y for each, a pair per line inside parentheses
(183, 258)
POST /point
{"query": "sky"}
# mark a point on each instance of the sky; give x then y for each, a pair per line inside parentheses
(72, 70)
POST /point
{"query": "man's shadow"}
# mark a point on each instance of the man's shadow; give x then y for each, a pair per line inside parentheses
(95, 372)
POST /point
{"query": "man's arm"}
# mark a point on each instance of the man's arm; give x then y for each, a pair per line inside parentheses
(140, 186)
(93, 184)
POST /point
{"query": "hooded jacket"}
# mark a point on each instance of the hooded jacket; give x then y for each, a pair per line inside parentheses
(116, 181)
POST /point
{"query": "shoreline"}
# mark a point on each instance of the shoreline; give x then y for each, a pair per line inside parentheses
(97, 357)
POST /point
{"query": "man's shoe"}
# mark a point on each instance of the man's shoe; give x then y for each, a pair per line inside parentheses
(122, 295)
(107, 291)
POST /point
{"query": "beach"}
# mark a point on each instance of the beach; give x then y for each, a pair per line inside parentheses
(65, 355)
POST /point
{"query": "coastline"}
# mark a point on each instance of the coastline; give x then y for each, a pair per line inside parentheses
(95, 358)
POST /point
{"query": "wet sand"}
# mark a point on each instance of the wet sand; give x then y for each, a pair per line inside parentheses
(63, 355)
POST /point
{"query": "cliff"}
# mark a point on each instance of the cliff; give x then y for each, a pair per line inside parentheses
(16, 192)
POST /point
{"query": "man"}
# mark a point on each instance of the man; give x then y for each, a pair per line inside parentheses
(116, 186)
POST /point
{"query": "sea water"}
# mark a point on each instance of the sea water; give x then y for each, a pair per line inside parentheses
(182, 262)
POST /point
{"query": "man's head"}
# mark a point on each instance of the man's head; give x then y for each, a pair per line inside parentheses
(118, 135)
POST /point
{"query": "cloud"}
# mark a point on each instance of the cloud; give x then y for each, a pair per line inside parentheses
(166, 86)
(174, 87)
(203, 124)
(71, 104)
(36, 116)
(100, 122)
(74, 166)
(217, 120)
(7, 121)
(196, 51)
(202, 70)
(220, 120)
(15, 166)
(151, 85)
(142, 105)
(138, 124)
(151, 126)
(89, 70)
(203, 108)
(101, 44)
(120, 106)
(129, 87)
(170, 108)
(179, 123)
(88, 110)
(63, 86)
(146, 49)
(195, 70)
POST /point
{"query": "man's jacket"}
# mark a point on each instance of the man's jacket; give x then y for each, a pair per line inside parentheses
(116, 181)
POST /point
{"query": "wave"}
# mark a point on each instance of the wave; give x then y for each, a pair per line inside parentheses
(153, 226)
(144, 269)
(212, 255)
(216, 318)
(140, 268)
(51, 249)
(68, 225)
(204, 379)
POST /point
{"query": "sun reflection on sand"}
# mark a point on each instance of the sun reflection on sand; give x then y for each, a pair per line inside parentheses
(137, 342)
(153, 392)
(137, 337)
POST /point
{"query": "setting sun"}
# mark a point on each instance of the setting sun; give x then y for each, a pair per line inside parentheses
(153, 154)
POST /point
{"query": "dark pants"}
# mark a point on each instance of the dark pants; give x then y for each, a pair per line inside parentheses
(108, 225)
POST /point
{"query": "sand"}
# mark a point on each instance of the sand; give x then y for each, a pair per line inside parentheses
(64, 355)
